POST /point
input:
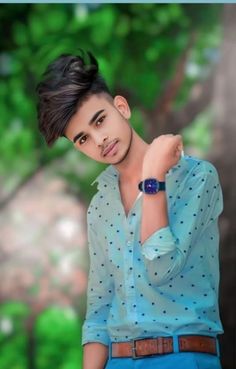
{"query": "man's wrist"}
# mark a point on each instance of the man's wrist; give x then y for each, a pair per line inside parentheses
(152, 172)
(160, 176)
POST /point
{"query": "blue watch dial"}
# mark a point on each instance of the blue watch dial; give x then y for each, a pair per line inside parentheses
(151, 186)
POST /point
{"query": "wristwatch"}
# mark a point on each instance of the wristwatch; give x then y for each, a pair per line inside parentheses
(151, 186)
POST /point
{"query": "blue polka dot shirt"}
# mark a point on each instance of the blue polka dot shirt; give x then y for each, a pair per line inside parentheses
(168, 285)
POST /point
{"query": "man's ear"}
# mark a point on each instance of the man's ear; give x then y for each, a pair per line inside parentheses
(122, 105)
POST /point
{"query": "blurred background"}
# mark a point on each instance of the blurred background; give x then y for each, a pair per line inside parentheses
(175, 63)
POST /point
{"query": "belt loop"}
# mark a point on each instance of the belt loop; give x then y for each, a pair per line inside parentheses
(175, 344)
(110, 350)
(217, 347)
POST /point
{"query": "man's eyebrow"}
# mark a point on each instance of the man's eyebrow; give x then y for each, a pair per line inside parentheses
(92, 120)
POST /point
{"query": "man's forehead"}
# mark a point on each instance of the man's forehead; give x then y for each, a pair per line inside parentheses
(86, 111)
(96, 101)
(89, 107)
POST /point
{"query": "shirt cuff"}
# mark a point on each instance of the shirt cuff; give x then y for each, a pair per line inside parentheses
(159, 243)
(95, 333)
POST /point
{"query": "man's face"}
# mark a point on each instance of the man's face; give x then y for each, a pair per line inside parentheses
(101, 120)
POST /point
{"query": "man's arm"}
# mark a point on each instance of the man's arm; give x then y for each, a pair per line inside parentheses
(199, 204)
(95, 355)
(100, 291)
(154, 211)
(163, 153)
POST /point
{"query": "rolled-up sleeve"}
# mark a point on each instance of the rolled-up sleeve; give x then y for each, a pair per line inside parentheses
(195, 208)
(99, 292)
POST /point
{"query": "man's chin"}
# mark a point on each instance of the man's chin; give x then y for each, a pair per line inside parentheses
(122, 159)
(126, 154)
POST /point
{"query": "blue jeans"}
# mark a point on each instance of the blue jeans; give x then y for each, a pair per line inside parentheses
(177, 360)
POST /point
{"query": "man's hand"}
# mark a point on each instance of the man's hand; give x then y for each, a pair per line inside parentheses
(163, 153)
(95, 355)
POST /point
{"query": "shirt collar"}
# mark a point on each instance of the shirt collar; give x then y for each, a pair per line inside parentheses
(110, 175)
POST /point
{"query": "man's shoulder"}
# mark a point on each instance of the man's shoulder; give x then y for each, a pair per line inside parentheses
(195, 173)
(197, 166)
(201, 166)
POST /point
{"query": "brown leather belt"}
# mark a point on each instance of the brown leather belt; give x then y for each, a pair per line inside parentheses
(163, 345)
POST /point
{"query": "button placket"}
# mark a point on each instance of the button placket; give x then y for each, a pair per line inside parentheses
(129, 273)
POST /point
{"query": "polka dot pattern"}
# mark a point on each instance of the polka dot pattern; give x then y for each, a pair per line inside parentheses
(169, 283)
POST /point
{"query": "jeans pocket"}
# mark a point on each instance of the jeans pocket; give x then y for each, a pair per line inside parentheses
(207, 361)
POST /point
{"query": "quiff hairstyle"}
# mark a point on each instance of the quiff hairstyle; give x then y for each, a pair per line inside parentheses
(67, 82)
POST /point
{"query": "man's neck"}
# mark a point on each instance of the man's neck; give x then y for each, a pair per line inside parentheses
(130, 171)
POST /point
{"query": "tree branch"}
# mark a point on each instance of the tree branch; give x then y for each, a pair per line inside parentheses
(200, 98)
(164, 103)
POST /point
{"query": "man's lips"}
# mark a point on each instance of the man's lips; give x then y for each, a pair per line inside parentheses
(109, 147)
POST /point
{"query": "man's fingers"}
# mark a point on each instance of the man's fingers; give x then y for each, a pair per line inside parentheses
(179, 145)
(178, 140)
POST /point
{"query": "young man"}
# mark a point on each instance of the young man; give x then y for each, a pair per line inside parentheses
(153, 236)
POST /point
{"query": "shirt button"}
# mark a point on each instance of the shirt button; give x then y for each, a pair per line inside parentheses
(129, 243)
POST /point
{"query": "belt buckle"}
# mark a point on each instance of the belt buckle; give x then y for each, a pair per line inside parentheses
(133, 348)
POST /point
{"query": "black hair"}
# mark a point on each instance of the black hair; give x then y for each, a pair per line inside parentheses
(68, 81)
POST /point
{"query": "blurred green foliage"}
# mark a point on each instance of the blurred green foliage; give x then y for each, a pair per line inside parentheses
(199, 135)
(137, 46)
(58, 339)
(57, 336)
(13, 338)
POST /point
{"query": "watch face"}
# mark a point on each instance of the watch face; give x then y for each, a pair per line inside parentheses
(151, 185)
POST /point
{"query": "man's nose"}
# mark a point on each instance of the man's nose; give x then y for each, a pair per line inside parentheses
(101, 140)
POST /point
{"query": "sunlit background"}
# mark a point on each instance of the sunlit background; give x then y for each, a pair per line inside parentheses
(175, 63)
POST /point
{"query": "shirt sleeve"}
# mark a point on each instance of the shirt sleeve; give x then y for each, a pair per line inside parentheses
(99, 292)
(195, 208)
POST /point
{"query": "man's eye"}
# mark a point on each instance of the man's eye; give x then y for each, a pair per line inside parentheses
(80, 141)
(100, 120)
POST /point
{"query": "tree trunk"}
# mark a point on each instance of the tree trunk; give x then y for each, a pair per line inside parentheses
(224, 157)
(31, 344)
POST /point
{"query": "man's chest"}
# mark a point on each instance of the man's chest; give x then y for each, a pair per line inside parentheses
(128, 195)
